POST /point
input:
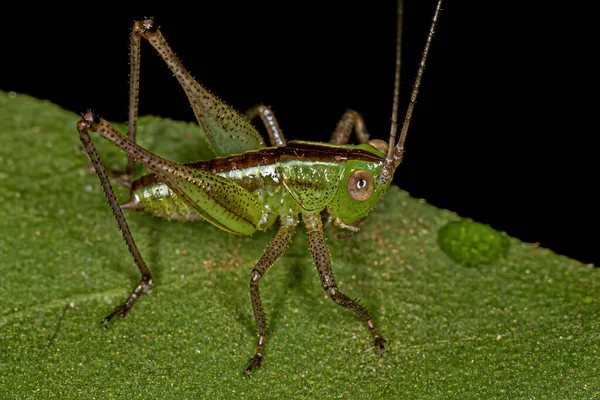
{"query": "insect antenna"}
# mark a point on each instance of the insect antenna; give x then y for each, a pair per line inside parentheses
(394, 128)
(394, 156)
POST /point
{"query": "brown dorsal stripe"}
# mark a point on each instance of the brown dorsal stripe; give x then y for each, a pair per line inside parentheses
(301, 151)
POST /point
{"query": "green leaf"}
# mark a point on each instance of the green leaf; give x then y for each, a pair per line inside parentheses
(515, 321)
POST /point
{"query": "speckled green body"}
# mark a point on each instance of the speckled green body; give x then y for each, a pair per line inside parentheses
(281, 183)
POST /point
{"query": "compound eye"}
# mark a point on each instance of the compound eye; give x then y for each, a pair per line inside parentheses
(360, 185)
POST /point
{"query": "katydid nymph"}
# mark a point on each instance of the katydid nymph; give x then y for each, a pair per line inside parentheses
(248, 186)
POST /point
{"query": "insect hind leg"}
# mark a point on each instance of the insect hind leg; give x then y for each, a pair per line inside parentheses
(120, 176)
(87, 123)
(226, 131)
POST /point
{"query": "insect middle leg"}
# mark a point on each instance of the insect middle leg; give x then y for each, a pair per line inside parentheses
(351, 120)
(275, 249)
(268, 118)
(320, 254)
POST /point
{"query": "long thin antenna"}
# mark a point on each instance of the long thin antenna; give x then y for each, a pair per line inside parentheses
(394, 128)
(399, 149)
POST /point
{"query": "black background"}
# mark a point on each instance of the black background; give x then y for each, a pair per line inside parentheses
(502, 132)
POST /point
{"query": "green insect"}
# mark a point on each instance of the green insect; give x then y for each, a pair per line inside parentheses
(249, 186)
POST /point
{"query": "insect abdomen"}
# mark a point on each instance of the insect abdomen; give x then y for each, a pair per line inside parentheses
(157, 199)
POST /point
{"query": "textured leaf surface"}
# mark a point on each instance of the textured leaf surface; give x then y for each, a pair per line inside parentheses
(525, 325)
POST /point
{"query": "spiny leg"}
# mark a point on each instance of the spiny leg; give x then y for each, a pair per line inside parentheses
(273, 252)
(134, 95)
(216, 199)
(145, 284)
(125, 177)
(268, 118)
(320, 254)
(226, 130)
(350, 120)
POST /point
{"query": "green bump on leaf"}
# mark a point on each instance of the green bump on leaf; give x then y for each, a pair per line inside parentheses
(471, 244)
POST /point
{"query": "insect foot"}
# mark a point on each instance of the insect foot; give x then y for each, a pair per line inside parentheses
(122, 310)
(255, 362)
(380, 342)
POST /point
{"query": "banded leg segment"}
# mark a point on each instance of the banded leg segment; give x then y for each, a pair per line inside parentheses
(268, 118)
(320, 254)
(275, 249)
(351, 120)
(145, 284)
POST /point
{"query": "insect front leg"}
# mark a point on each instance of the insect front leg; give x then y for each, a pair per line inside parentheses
(320, 254)
(275, 249)
(268, 118)
(145, 284)
(350, 120)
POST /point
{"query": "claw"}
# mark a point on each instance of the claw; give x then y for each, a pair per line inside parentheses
(380, 342)
(255, 362)
(121, 310)
(145, 286)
